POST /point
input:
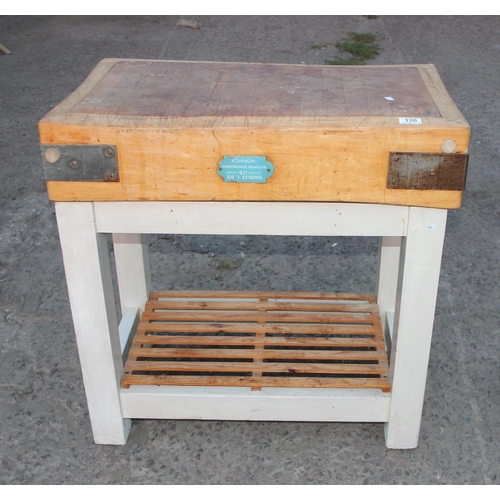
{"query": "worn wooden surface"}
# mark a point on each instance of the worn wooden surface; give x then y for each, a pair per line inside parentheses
(328, 131)
(179, 89)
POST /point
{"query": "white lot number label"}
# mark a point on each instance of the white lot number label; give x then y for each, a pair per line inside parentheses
(410, 121)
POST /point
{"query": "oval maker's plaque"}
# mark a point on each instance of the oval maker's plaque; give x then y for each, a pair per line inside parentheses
(245, 169)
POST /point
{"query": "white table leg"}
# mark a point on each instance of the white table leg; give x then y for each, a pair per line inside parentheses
(413, 323)
(88, 275)
(132, 269)
(387, 279)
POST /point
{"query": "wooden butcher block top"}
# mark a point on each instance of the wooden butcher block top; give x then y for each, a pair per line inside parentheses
(176, 130)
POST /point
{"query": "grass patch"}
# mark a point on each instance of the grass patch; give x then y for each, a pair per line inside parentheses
(225, 264)
(361, 46)
(367, 38)
(360, 50)
(322, 46)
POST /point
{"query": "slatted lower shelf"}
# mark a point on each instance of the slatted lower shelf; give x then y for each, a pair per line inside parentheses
(259, 339)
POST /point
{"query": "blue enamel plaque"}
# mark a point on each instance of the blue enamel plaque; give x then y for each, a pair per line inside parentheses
(245, 169)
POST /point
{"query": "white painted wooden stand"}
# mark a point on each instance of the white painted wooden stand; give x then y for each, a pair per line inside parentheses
(409, 263)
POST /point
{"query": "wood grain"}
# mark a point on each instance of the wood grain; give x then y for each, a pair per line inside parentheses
(328, 131)
(244, 339)
(146, 88)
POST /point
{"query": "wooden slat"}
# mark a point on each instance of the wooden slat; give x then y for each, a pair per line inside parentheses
(183, 343)
(250, 353)
(257, 295)
(163, 305)
(323, 329)
(251, 341)
(340, 382)
(254, 317)
(291, 368)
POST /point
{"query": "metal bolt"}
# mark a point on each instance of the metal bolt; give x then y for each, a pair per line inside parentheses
(73, 164)
(52, 155)
(109, 152)
(449, 146)
(396, 158)
(433, 172)
(111, 176)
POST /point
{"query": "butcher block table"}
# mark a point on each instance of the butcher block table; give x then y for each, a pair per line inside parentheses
(175, 147)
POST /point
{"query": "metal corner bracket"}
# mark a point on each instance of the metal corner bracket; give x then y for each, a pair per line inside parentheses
(428, 171)
(80, 163)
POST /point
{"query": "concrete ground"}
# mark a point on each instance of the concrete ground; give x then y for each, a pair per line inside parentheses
(45, 435)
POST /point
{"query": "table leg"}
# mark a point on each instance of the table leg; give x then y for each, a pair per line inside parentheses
(132, 269)
(413, 323)
(88, 276)
(387, 280)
